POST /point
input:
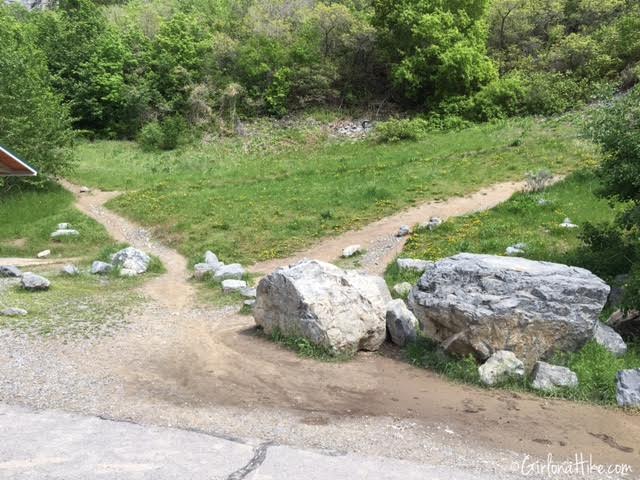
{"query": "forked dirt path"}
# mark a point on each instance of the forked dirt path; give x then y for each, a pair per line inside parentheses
(184, 364)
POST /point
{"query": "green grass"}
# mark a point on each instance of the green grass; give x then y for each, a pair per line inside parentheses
(595, 367)
(81, 306)
(249, 204)
(306, 349)
(28, 218)
(520, 219)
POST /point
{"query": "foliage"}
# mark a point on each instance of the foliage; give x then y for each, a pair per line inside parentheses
(305, 348)
(165, 135)
(395, 130)
(34, 123)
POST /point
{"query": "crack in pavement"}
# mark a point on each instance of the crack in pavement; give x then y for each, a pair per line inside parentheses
(259, 456)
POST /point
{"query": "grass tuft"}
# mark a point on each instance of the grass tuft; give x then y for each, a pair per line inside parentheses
(305, 348)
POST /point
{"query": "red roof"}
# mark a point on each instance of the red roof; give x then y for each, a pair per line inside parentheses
(10, 165)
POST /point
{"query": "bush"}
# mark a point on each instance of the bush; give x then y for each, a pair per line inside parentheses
(165, 135)
(502, 98)
(396, 130)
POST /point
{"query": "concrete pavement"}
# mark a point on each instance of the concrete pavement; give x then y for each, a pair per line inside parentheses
(57, 445)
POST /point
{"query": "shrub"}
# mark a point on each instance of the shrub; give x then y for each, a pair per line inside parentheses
(165, 135)
(396, 130)
(500, 99)
(150, 136)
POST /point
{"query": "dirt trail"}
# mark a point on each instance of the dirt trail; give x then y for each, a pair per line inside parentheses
(379, 238)
(185, 364)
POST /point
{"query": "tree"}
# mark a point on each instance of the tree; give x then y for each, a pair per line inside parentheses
(33, 120)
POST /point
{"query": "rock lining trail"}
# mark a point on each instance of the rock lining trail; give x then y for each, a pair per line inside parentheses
(183, 364)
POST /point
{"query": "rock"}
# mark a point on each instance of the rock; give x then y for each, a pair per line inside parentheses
(401, 323)
(9, 271)
(64, 226)
(127, 272)
(70, 270)
(350, 251)
(548, 377)
(403, 231)
(65, 233)
(543, 202)
(131, 259)
(514, 251)
(32, 282)
(626, 324)
(202, 271)
(232, 271)
(13, 312)
(84, 189)
(566, 223)
(413, 264)
(100, 268)
(233, 286)
(211, 259)
(341, 310)
(249, 303)
(433, 223)
(501, 366)
(628, 388)
(44, 254)
(248, 292)
(479, 304)
(610, 339)
(402, 289)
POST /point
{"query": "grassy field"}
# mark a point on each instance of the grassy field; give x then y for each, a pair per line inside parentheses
(251, 203)
(519, 220)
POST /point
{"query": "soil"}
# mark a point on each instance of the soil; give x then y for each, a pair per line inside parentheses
(181, 363)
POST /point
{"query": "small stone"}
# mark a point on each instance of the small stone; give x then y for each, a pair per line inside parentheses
(128, 272)
(131, 258)
(101, 268)
(44, 254)
(10, 271)
(513, 251)
(70, 270)
(548, 377)
(401, 323)
(543, 202)
(232, 271)
(84, 189)
(402, 289)
(501, 366)
(248, 292)
(350, 251)
(32, 282)
(610, 339)
(628, 388)
(413, 264)
(65, 233)
(211, 259)
(233, 286)
(567, 223)
(249, 303)
(403, 231)
(202, 271)
(13, 312)
(433, 223)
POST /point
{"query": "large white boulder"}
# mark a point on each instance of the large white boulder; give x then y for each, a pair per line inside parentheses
(131, 259)
(479, 304)
(341, 310)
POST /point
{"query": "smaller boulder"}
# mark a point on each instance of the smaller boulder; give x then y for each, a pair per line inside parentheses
(232, 271)
(402, 289)
(65, 233)
(202, 271)
(32, 282)
(401, 323)
(567, 223)
(515, 250)
(628, 388)
(547, 377)
(70, 270)
(233, 286)
(249, 303)
(13, 312)
(501, 366)
(433, 223)
(413, 264)
(610, 339)
(350, 251)
(43, 254)
(211, 259)
(403, 231)
(101, 268)
(9, 271)
(131, 259)
(248, 292)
